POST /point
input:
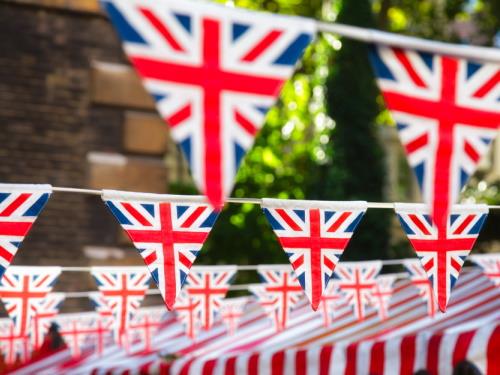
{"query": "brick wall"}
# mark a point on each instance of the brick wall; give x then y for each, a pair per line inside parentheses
(73, 113)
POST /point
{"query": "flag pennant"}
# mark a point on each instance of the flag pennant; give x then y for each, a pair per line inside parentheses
(145, 323)
(20, 205)
(13, 346)
(214, 72)
(447, 114)
(381, 294)
(314, 235)
(188, 313)
(100, 305)
(167, 230)
(330, 300)
(123, 289)
(490, 263)
(442, 249)
(231, 312)
(420, 280)
(23, 290)
(356, 281)
(209, 285)
(279, 292)
(45, 314)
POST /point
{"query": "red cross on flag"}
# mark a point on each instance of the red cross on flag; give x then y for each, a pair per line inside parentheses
(382, 293)
(123, 289)
(45, 314)
(188, 313)
(278, 293)
(231, 312)
(314, 235)
(167, 230)
(214, 72)
(209, 285)
(330, 301)
(490, 263)
(442, 249)
(447, 113)
(12, 345)
(23, 290)
(419, 279)
(145, 324)
(356, 280)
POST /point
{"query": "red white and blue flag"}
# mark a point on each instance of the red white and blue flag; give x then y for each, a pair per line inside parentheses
(420, 280)
(209, 286)
(231, 312)
(447, 114)
(20, 205)
(100, 305)
(213, 72)
(490, 263)
(188, 313)
(23, 290)
(330, 300)
(13, 346)
(167, 230)
(145, 324)
(314, 235)
(381, 294)
(442, 250)
(123, 289)
(356, 281)
(46, 313)
(279, 292)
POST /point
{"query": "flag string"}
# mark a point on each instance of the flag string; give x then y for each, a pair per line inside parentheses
(382, 205)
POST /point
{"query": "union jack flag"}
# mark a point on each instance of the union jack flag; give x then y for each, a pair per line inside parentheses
(213, 72)
(419, 279)
(167, 230)
(447, 114)
(356, 280)
(12, 344)
(330, 300)
(45, 314)
(442, 249)
(123, 288)
(279, 292)
(381, 294)
(100, 305)
(314, 235)
(23, 290)
(188, 313)
(145, 323)
(231, 312)
(490, 263)
(209, 286)
(20, 205)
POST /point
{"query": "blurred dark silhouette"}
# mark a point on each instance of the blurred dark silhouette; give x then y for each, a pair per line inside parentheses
(466, 368)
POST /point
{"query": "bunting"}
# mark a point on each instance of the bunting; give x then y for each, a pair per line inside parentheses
(167, 230)
(447, 114)
(13, 346)
(420, 280)
(23, 291)
(314, 235)
(279, 292)
(490, 263)
(231, 312)
(45, 314)
(213, 72)
(381, 295)
(209, 286)
(20, 205)
(100, 305)
(123, 289)
(145, 323)
(187, 310)
(330, 301)
(442, 249)
(356, 281)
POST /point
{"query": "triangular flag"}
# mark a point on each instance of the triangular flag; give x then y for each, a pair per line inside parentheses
(314, 235)
(188, 313)
(420, 280)
(330, 301)
(209, 285)
(214, 72)
(447, 114)
(100, 305)
(231, 312)
(46, 313)
(20, 205)
(23, 290)
(356, 280)
(145, 324)
(442, 249)
(490, 263)
(382, 293)
(123, 289)
(279, 292)
(12, 344)
(167, 230)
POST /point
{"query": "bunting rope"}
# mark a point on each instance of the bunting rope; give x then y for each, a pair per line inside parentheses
(381, 205)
